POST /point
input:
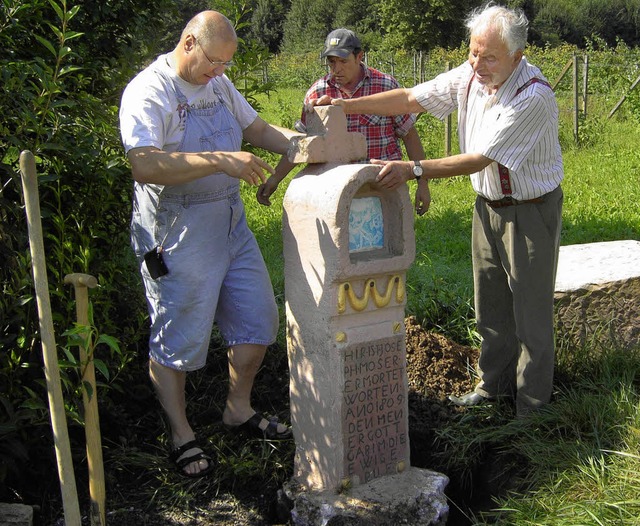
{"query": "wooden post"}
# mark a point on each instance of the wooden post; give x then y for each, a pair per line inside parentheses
(576, 107)
(562, 74)
(415, 63)
(619, 103)
(57, 413)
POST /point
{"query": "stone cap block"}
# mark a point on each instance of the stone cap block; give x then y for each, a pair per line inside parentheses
(327, 139)
(594, 264)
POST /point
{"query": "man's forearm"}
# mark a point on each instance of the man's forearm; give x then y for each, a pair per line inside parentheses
(154, 166)
(461, 164)
(393, 102)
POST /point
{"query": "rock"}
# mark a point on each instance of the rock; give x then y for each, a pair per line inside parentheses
(16, 515)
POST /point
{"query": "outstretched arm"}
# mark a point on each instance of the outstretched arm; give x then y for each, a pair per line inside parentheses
(155, 166)
(268, 136)
(392, 102)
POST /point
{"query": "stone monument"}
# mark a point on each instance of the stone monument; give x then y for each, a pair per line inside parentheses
(347, 246)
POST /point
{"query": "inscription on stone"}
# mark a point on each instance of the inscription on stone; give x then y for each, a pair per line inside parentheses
(374, 408)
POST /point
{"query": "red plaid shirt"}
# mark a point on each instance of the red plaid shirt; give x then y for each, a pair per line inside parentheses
(382, 133)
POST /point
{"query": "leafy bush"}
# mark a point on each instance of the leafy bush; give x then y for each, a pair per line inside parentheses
(49, 108)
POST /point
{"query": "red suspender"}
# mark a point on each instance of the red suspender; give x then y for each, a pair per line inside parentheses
(505, 178)
(533, 80)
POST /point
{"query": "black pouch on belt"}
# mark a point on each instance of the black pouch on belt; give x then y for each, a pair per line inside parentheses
(155, 263)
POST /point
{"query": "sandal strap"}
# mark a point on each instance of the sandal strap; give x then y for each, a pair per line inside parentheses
(271, 431)
(179, 451)
(201, 455)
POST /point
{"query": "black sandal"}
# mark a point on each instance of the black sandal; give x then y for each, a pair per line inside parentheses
(181, 462)
(252, 428)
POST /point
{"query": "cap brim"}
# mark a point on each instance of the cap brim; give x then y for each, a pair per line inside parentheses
(342, 53)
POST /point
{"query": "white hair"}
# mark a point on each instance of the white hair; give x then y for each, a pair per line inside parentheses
(510, 24)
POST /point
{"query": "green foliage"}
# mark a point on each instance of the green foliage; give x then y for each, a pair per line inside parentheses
(307, 25)
(267, 24)
(576, 21)
(84, 190)
(419, 25)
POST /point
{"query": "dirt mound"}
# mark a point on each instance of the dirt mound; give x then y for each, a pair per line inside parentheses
(436, 368)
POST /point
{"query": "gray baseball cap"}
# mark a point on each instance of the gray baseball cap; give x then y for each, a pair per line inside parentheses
(341, 43)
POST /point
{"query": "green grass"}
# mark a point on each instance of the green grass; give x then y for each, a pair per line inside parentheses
(577, 462)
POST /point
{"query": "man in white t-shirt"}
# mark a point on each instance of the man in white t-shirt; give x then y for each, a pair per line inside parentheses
(182, 124)
(508, 131)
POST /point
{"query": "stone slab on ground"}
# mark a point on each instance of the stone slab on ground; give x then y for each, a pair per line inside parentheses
(16, 515)
(414, 498)
(598, 294)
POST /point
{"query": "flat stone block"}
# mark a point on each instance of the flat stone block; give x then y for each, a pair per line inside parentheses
(414, 497)
(16, 515)
(598, 294)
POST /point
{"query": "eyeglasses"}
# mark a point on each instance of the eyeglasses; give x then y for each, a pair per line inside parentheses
(214, 63)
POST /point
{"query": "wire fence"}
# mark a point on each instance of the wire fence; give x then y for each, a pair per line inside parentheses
(587, 84)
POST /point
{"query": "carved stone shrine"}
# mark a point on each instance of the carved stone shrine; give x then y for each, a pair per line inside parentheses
(347, 245)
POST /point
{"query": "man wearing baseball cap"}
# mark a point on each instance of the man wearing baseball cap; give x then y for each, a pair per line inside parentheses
(350, 78)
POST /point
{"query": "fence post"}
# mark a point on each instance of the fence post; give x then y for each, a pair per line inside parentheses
(619, 103)
(576, 108)
(415, 64)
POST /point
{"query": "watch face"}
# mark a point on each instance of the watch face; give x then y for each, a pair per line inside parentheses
(417, 170)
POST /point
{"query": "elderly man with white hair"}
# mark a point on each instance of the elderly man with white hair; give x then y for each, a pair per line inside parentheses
(508, 131)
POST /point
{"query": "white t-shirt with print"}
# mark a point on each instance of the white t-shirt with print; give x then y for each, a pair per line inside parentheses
(149, 110)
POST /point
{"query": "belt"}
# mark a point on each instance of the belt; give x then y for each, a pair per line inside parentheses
(510, 201)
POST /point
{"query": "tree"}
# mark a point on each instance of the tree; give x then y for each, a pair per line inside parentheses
(307, 25)
(267, 23)
(578, 21)
(424, 24)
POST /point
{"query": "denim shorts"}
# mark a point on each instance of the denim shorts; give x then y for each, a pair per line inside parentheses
(216, 274)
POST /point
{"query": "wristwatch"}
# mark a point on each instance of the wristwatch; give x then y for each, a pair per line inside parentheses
(417, 170)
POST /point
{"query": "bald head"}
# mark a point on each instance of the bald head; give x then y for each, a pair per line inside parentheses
(209, 26)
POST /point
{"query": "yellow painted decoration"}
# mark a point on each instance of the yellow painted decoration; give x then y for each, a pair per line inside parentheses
(345, 291)
(341, 337)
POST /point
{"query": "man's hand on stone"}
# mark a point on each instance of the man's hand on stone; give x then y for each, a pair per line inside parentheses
(324, 100)
(393, 173)
(246, 166)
